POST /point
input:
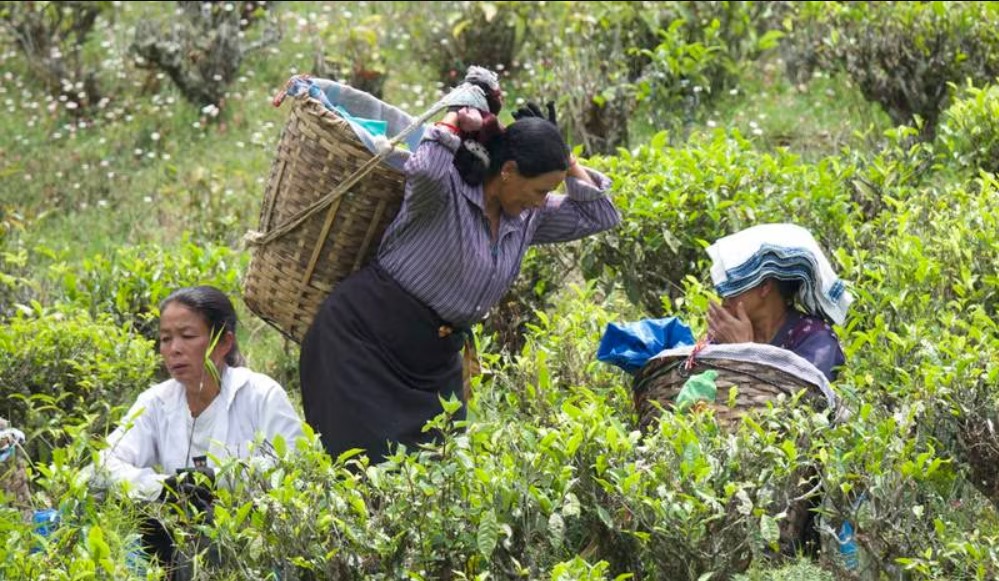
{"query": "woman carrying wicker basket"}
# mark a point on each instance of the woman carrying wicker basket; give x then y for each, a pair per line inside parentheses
(385, 345)
(763, 274)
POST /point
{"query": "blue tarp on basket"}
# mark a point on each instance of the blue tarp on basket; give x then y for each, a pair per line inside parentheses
(631, 345)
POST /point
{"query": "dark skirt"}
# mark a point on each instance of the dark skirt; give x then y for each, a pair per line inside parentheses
(373, 366)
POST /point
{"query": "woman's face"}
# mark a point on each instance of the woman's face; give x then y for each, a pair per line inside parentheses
(519, 193)
(184, 339)
(750, 299)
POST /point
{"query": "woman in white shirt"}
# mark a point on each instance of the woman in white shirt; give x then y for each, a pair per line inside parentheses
(205, 411)
(193, 414)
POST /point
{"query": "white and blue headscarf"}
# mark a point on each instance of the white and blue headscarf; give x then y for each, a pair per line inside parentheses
(788, 252)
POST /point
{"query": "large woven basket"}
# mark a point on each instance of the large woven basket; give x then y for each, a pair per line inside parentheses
(316, 227)
(774, 375)
(757, 383)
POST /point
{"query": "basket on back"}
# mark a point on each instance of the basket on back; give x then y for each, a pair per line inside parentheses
(327, 203)
(760, 373)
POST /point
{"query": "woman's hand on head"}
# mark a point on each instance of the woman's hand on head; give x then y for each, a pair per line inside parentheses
(724, 327)
(469, 119)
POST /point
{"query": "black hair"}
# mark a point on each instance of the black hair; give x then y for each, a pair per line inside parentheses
(788, 289)
(215, 309)
(535, 144)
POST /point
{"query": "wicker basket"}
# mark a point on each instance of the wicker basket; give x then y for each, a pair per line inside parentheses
(758, 384)
(658, 383)
(327, 204)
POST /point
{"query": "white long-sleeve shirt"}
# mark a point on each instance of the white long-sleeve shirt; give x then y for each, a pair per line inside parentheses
(159, 435)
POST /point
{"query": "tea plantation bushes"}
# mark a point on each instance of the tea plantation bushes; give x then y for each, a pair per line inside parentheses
(546, 476)
(60, 369)
(130, 283)
(921, 347)
(903, 55)
(969, 133)
(676, 201)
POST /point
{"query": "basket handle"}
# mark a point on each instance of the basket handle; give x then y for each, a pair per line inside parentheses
(254, 238)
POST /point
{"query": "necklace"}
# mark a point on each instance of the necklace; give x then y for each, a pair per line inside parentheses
(190, 439)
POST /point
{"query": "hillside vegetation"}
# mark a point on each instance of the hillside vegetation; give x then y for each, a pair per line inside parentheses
(135, 145)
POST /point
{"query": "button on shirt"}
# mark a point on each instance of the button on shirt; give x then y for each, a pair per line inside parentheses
(440, 248)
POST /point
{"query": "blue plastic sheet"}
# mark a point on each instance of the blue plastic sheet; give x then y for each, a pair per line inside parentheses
(631, 345)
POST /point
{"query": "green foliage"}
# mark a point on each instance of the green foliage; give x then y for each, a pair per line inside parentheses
(904, 55)
(700, 52)
(14, 285)
(969, 132)
(802, 570)
(357, 59)
(460, 34)
(591, 78)
(671, 57)
(58, 369)
(129, 284)
(93, 537)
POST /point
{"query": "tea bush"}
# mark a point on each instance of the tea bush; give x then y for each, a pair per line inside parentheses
(969, 131)
(201, 46)
(569, 479)
(53, 37)
(129, 284)
(903, 55)
(456, 35)
(56, 369)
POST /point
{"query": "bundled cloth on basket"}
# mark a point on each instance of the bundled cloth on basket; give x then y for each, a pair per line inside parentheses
(370, 118)
(788, 252)
(10, 438)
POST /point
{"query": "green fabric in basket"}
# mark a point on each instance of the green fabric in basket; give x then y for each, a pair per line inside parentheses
(700, 387)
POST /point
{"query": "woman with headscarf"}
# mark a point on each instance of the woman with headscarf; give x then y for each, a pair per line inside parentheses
(777, 287)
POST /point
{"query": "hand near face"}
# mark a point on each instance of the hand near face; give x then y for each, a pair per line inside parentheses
(724, 327)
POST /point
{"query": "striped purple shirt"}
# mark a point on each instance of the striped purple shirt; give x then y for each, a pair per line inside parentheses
(439, 247)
